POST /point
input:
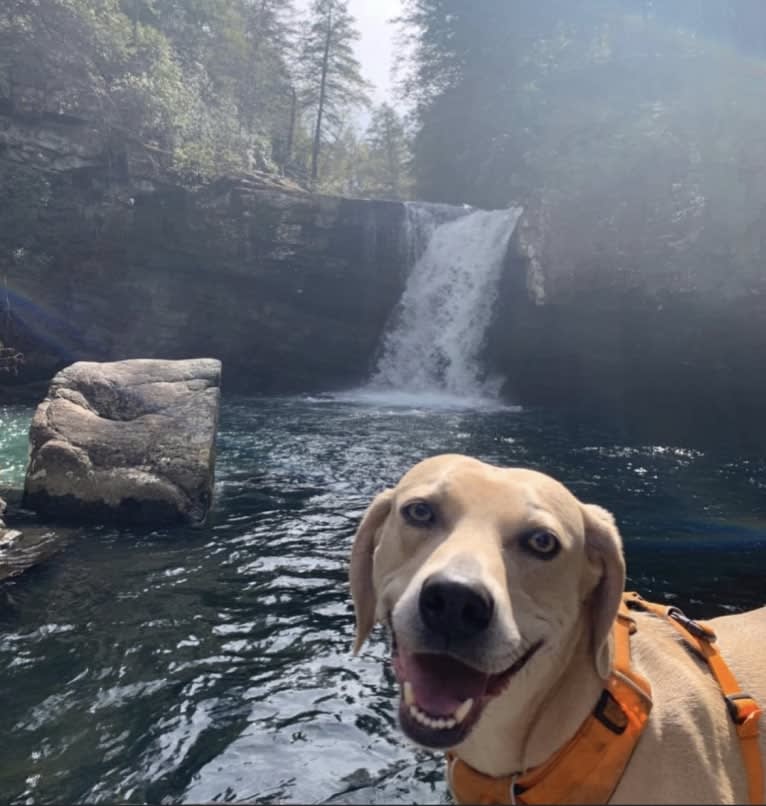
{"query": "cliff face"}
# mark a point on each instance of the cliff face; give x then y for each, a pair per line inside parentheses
(667, 363)
(107, 260)
(290, 290)
(639, 288)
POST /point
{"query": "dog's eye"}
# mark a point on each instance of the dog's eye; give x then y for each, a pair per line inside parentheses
(544, 544)
(418, 513)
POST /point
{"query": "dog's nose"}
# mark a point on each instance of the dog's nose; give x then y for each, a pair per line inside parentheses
(455, 609)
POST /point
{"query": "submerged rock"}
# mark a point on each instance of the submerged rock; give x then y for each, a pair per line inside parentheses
(130, 441)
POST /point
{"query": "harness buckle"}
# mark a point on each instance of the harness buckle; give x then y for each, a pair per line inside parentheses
(610, 714)
(512, 789)
(740, 706)
(701, 631)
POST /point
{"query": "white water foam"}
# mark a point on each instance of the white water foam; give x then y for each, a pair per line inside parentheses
(405, 401)
(431, 352)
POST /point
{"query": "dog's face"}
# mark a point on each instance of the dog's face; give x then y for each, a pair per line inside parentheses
(487, 578)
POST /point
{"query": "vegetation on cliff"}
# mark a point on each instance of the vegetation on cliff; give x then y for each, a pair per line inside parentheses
(503, 94)
(204, 87)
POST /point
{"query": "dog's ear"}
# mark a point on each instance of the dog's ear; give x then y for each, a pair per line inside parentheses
(360, 572)
(603, 546)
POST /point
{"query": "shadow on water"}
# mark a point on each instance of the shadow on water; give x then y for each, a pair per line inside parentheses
(214, 664)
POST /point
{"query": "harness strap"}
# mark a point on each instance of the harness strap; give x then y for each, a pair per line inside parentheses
(743, 709)
(590, 765)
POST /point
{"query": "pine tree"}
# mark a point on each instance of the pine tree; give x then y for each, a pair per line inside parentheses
(343, 165)
(333, 83)
(388, 155)
(264, 87)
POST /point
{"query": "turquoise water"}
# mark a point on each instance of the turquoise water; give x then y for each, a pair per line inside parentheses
(214, 664)
(14, 444)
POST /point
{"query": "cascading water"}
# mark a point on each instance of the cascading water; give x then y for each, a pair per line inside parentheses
(434, 342)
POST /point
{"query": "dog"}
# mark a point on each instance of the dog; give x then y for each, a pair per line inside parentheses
(501, 591)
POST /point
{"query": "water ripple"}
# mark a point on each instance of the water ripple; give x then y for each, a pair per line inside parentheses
(214, 664)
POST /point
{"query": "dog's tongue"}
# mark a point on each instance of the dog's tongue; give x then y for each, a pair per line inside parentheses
(440, 683)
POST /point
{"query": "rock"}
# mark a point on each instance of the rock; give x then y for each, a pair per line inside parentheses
(290, 290)
(9, 538)
(130, 441)
(21, 550)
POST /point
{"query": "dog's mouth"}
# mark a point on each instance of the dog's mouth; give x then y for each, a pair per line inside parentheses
(442, 698)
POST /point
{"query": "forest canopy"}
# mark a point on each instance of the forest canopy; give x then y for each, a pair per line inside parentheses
(212, 87)
(495, 84)
(209, 86)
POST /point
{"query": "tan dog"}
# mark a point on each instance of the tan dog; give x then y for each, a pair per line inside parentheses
(501, 589)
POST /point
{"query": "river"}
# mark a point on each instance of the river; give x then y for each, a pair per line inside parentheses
(214, 664)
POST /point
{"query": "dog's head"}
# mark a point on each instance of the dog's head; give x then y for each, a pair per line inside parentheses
(488, 578)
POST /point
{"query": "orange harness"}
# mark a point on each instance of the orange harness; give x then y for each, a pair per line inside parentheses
(589, 767)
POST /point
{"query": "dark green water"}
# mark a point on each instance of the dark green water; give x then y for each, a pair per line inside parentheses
(214, 664)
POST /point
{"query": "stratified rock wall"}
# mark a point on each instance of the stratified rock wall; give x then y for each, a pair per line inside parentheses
(667, 365)
(290, 290)
(646, 309)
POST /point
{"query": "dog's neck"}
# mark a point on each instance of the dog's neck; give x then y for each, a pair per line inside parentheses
(521, 734)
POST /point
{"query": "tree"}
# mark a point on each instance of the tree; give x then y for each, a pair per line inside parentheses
(475, 71)
(333, 83)
(204, 85)
(344, 163)
(486, 79)
(388, 155)
(264, 90)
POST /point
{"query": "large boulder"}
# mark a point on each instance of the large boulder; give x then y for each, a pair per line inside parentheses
(128, 440)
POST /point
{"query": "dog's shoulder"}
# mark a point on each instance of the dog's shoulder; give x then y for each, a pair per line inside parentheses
(689, 725)
(741, 639)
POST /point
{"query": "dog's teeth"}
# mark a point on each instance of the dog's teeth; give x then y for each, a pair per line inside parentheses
(409, 694)
(463, 711)
(424, 719)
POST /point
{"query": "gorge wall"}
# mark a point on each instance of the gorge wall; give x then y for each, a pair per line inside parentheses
(643, 297)
(659, 329)
(665, 365)
(290, 290)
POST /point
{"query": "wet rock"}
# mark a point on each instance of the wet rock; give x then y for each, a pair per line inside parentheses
(290, 290)
(129, 441)
(19, 551)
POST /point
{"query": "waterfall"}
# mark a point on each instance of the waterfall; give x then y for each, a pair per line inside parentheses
(433, 343)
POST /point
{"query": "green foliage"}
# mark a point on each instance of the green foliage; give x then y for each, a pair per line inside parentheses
(500, 86)
(373, 165)
(203, 83)
(344, 165)
(386, 171)
(207, 87)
